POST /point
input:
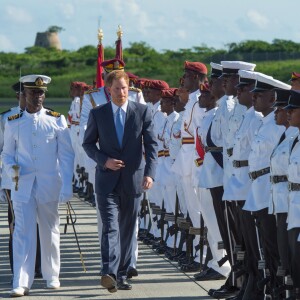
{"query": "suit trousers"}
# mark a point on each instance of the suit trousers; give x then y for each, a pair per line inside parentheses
(119, 214)
(25, 240)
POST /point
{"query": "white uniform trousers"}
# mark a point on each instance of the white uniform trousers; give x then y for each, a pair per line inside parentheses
(155, 196)
(213, 234)
(135, 246)
(24, 240)
(180, 194)
(169, 194)
(74, 139)
(193, 208)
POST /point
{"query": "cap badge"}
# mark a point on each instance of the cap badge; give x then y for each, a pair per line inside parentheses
(116, 65)
(39, 81)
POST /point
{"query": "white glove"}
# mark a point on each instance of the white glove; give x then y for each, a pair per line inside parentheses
(64, 198)
(3, 196)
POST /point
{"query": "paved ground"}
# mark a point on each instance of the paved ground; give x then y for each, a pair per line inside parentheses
(158, 278)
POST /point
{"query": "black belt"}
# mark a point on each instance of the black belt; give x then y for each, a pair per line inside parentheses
(213, 149)
(278, 178)
(240, 163)
(294, 186)
(256, 174)
(229, 151)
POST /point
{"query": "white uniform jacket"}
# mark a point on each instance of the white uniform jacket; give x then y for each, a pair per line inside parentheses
(175, 137)
(201, 132)
(294, 196)
(40, 144)
(167, 176)
(279, 167)
(191, 116)
(232, 124)
(263, 144)
(239, 183)
(211, 171)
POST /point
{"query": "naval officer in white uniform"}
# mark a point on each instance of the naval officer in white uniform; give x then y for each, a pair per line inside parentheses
(45, 157)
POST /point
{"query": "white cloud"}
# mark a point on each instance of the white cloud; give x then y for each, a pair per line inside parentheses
(18, 15)
(257, 19)
(6, 44)
(67, 10)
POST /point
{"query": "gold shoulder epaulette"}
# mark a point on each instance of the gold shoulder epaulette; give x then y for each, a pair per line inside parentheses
(91, 91)
(14, 117)
(131, 88)
(53, 113)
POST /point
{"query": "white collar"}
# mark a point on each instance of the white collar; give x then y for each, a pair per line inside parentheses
(123, 107)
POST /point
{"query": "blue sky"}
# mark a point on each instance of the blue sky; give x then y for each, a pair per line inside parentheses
(163, 24)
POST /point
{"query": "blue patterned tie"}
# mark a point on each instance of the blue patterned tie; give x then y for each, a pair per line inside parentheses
(119, 125)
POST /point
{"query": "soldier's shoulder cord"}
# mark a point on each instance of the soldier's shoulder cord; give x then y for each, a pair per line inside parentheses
(53, 113)
(14, 117)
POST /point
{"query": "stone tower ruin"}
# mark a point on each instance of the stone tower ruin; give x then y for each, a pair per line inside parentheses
(48, 40)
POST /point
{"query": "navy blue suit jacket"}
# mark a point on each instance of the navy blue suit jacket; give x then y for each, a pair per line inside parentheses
(138, 131)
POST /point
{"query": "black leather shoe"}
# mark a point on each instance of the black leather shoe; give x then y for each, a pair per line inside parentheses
(209, 274)
(109, 282)
(124, 285)
(226, 292)
(193, 267)
(132, 272)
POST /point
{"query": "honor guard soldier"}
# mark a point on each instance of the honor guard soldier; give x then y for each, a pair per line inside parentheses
(278, 204)
(212, 169)
(266, 138)
(205, 204)
(294, 194)
(167, 178)
(38, 156)
(154, 88)
(195, 74)
(239, 185)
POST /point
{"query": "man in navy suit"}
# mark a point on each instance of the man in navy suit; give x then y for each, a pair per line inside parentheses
(123, 130)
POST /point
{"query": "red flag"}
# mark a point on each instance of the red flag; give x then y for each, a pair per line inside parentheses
(99, 79)
(119, 50)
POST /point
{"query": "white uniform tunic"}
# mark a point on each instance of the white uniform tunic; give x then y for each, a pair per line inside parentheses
(44, 152)
(239, 182)
(263, 144)
(211, 173)
(279, 167)
(191, 116)
(232, 124)
(174, 145)
(294, 196)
